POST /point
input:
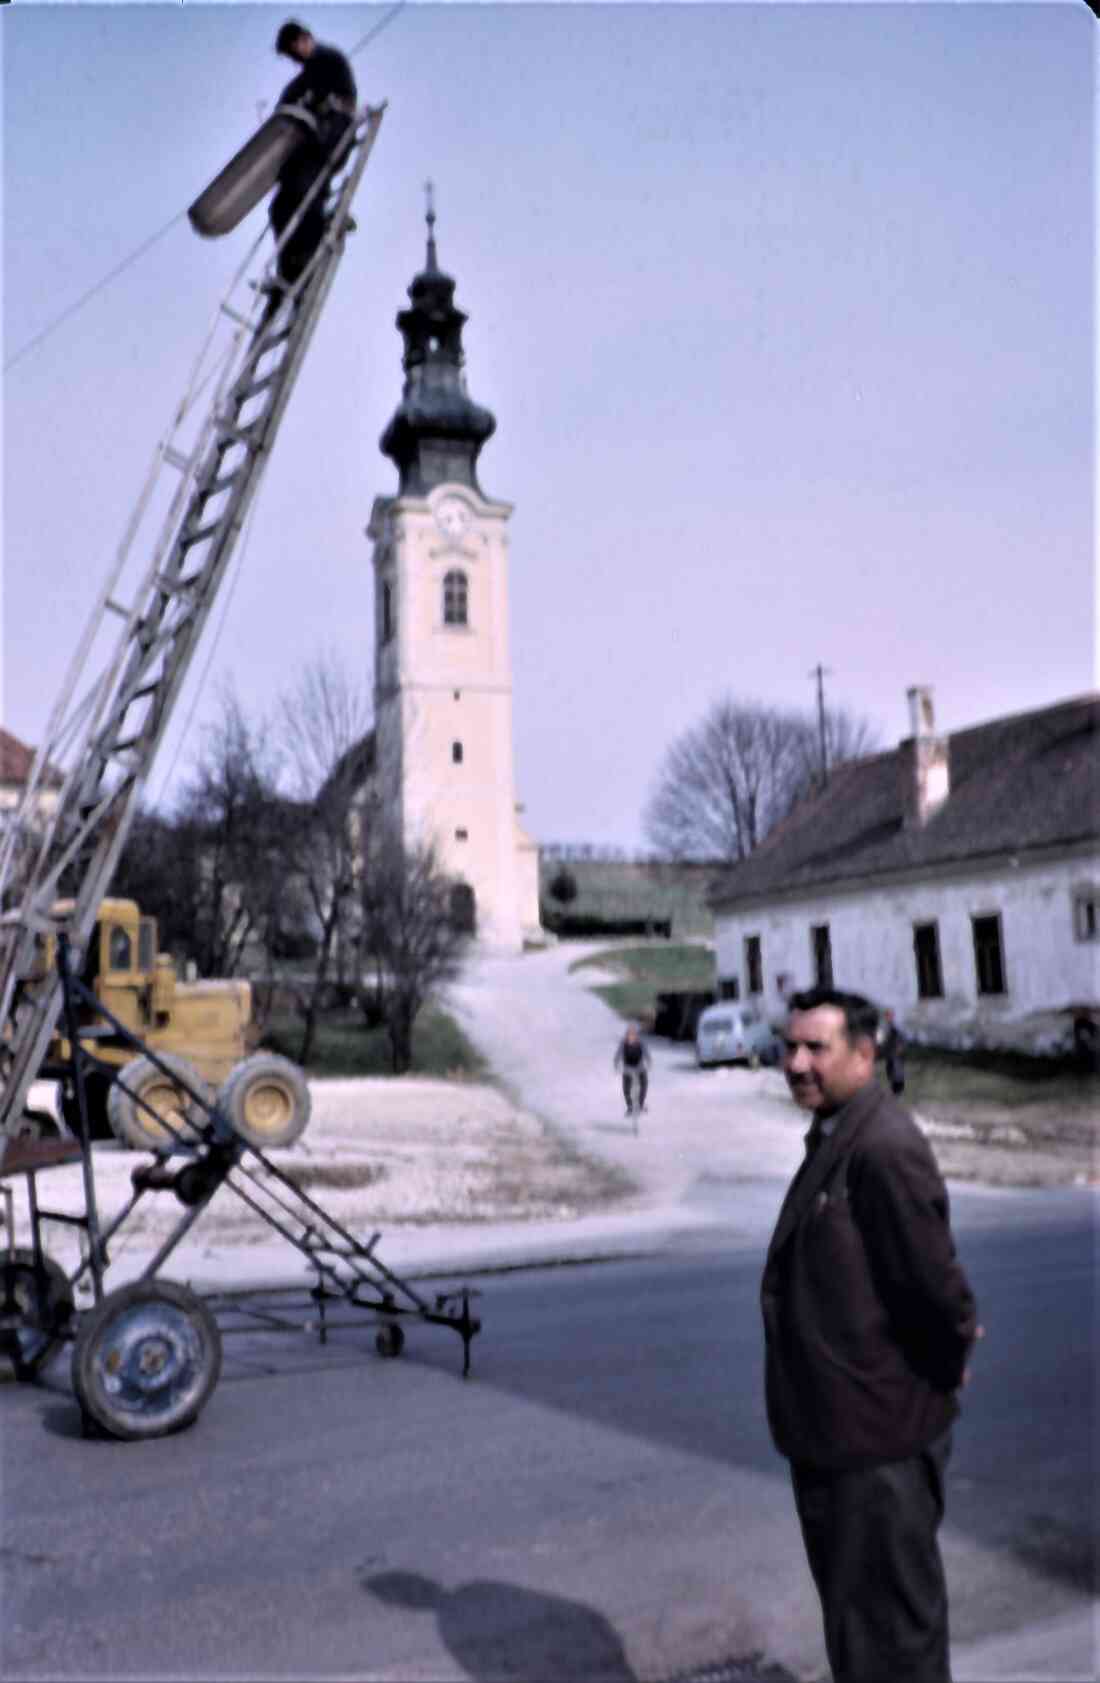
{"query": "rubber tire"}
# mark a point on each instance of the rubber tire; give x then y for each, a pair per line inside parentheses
(97, 1089)
(389, 1340)
(138, 1324)
(266, 1098)
(135, 1128)
(37, 1125)
(29, 1348)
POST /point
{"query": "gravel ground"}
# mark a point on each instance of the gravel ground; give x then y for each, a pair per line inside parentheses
(550, 1142)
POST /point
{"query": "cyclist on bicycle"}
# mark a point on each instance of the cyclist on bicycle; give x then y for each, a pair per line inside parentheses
(632, 1058)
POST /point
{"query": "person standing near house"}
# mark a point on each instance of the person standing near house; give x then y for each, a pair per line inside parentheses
(868, 1323)
(632, 1058)
(891, 1043)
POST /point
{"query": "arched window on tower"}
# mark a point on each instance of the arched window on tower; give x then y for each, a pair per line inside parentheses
(455, 598)
(387, 610)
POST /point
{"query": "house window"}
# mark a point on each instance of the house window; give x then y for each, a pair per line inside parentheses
(754, 966)
(1086, 915)
(729, 987)
(926, 952)
(821, 949)
(462, 835)
(456, 753)
(989, 962)
(455, 598)
(387, 610)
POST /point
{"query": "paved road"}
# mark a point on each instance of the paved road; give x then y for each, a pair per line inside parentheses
(600, 1501)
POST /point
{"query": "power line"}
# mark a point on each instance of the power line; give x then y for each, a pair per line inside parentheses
(140, 250)
(92, 290)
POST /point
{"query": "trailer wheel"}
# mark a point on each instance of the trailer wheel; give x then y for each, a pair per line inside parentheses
(389, 1339)
(35, 1311)
(146, 1360)
(266, 1098)
(142, 1079)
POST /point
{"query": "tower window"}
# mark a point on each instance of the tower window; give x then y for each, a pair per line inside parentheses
(455, 599)
(456, 753)
(387, 611)
(462, 835)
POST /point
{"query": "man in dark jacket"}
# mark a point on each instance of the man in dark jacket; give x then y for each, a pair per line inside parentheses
(325, 87)
(868, 1320)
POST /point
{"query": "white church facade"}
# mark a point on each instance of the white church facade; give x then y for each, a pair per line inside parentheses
(443, 672)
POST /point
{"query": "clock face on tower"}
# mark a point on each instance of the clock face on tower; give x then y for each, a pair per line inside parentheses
(453, 517)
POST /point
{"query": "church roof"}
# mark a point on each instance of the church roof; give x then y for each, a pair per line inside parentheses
(1018, 784)
(437, 430)
(16, 760)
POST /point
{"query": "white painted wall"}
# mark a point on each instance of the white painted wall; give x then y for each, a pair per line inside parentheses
(871, 932)
(438, 684)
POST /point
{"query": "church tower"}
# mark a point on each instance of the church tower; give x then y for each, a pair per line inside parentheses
(443, 674)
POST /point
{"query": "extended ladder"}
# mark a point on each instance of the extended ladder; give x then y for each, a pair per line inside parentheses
(100, 744)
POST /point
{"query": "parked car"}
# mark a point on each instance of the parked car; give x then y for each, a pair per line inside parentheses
(731, 1033)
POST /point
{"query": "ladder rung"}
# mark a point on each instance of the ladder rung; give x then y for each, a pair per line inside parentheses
(199, 534)
(235, 315)
(176, 458)
(229, 432)
(259, 386)
(117, 608)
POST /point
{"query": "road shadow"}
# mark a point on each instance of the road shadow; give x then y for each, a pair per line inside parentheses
(497, 1631)
(623, 1127)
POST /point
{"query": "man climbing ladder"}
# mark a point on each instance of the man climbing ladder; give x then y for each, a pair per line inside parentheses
(325, 87)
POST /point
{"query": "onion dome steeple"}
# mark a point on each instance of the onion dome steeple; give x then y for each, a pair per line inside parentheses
(437, 430)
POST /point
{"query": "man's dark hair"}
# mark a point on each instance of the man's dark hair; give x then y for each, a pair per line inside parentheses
(860, 1015)
(288, 34)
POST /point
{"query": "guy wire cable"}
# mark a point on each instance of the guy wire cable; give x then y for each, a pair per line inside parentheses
(140, 250)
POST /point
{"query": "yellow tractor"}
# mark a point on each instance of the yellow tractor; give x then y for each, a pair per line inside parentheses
(199, 1030)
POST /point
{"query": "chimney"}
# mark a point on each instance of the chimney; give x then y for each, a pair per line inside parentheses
(925, 761)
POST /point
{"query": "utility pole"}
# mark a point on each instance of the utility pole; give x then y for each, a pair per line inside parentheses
(821, 673)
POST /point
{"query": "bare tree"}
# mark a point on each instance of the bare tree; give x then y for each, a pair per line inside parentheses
(323, 729)
(410, 933)
(728, 780)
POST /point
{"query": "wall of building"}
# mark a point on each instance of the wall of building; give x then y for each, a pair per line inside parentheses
(438, 685)
(1046, 963)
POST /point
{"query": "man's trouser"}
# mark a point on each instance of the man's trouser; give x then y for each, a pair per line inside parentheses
(871, 1543)
(296, 180)
(632, 1073)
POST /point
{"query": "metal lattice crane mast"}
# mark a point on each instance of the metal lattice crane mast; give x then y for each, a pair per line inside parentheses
(103, 736)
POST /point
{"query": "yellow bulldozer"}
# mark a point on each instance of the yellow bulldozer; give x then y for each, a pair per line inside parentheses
(201, 1031)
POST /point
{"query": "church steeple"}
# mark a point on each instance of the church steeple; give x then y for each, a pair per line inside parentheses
(437, 431)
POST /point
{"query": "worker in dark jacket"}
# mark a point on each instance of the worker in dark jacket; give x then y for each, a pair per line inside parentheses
(325, 86)
(868, 1321)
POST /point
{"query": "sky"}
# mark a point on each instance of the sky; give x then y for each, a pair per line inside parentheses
(785, 313)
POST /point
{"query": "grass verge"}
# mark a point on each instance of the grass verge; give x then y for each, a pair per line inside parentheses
(646, 971)
(343, 1045)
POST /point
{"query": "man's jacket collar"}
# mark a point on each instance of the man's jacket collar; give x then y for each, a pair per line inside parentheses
(848, 1121)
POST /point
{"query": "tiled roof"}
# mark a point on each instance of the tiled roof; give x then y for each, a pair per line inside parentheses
(1020, 783)
(16, 760)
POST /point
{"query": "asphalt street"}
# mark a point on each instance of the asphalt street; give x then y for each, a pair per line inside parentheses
(599, 1501)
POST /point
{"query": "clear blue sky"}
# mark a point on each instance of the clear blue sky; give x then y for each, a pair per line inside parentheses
(785, 314)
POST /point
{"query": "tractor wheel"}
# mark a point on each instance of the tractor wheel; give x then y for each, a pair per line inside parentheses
(97, 1087)
(36, 1306)
(175, 1118)
(266, 1098)
(146, 1359)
